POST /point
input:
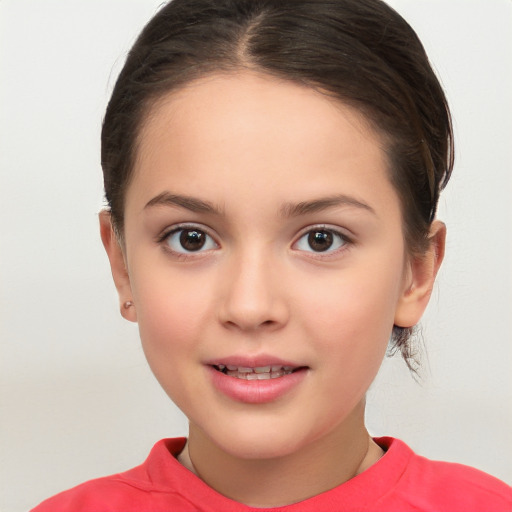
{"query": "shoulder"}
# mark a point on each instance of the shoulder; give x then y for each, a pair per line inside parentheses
(446, 486)
(133, 490)
(102, 494)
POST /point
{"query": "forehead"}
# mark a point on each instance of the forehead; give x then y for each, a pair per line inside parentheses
(256, 133)
(244, 101)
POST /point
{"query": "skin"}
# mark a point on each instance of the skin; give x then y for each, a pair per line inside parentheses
(254, 148)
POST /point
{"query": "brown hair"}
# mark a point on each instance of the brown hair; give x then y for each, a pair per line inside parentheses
(361, 52)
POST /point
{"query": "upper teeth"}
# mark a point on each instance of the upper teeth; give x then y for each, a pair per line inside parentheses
(256, 369)
(256, 373)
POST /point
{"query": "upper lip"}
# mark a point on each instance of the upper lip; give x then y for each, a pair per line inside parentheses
(257, 361)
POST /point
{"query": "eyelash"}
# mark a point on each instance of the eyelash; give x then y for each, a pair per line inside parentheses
(337, 238)
(166, 236)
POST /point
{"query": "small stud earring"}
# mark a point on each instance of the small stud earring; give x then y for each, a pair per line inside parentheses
(128, 304)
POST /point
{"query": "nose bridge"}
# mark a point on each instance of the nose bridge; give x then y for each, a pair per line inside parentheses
(253, 296)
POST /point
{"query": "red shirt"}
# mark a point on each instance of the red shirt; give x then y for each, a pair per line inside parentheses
(400, 481)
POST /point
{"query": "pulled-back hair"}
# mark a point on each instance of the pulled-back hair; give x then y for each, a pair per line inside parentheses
(361, 52)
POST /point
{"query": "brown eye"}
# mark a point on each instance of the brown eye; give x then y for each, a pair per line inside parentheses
(192, 240)
(320, 241)
(187, 240)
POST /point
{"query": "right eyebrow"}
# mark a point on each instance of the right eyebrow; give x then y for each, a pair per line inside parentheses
(189, 203)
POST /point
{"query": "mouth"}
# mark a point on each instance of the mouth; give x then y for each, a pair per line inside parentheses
(256, 380)
(256, 373)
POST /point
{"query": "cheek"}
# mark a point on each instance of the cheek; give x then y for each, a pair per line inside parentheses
(355, 312)
(356, 298)
(171, 315)
(171, 307)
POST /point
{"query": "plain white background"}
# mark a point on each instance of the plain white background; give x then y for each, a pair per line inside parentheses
(77, 399)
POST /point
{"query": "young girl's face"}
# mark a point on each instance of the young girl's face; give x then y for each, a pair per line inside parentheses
(262, 231)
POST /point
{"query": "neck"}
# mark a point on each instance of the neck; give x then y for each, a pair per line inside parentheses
(322, 465)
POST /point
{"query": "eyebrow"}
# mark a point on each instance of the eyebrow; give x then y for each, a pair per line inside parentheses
(324, 203)
(190, 203)
(287, 210)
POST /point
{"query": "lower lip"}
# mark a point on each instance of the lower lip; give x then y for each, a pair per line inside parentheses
(256, 391)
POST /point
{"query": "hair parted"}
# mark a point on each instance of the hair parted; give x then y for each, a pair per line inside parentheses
(361, 52)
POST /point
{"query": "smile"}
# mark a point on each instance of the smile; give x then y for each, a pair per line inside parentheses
(262, 383)
(256, 373)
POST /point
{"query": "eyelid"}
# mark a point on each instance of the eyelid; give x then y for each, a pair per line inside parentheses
(175, 228)
(336, 230)
(184, 225)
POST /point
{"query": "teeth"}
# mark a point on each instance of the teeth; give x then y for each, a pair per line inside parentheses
(261, 369)
(257, 369)
(256, 373)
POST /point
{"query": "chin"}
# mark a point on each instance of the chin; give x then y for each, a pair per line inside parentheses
(259, 447)
(260, 440)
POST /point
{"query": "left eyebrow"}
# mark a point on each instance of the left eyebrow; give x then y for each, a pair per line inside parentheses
(189, 203)
(324, 203)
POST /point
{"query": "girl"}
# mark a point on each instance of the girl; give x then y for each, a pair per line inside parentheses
(272, 169)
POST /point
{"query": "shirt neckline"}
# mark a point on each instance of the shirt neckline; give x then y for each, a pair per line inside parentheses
(166, 474)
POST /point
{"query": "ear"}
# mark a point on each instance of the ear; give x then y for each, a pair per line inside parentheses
(118, 265)
(420, 278)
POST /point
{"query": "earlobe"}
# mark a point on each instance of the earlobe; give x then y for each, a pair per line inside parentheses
(422, 273)
(118, 266)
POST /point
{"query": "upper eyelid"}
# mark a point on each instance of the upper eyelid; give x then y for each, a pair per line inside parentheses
(186, 225)
(343, 232)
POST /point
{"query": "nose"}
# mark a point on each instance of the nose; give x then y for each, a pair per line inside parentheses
(253, 294)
